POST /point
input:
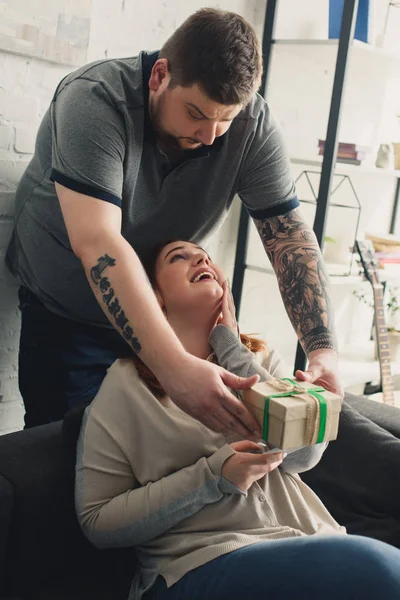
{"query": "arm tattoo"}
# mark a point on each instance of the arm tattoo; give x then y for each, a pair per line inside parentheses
(296, 258)
(110, 299)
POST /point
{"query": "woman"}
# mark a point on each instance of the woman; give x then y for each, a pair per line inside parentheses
(211, 517)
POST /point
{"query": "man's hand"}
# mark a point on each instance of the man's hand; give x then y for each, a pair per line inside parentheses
(323, 370)
(200, 389)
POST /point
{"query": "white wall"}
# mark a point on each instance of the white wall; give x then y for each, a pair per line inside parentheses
(120, 28)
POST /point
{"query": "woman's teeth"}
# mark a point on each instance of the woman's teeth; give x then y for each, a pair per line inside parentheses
(205, 274)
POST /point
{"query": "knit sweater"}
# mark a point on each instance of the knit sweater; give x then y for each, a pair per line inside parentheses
(148, 475)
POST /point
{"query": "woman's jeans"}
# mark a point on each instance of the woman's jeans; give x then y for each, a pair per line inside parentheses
(62, 363)
(315, 567)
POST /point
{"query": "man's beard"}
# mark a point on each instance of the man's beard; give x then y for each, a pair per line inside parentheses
(156, 112)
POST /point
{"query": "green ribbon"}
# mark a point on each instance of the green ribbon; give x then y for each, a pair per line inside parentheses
(313, 392)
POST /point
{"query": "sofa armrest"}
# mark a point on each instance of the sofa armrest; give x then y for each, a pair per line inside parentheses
(45, 544)
(45, 536)
(6, 509)
(383, 415)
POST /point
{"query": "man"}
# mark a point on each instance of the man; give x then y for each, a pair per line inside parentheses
(133, 152)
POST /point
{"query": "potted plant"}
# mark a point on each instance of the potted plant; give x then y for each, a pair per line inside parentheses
(392, 316)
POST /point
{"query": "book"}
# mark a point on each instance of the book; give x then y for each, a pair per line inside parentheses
(349, 161)
(347, 147)
(363, 23)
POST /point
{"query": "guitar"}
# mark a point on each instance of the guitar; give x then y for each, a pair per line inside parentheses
(370, 266)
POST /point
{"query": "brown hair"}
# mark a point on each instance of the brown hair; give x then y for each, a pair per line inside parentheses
(149, 264)
(219, 51)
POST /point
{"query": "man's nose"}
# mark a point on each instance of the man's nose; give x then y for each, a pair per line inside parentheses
(208, 133)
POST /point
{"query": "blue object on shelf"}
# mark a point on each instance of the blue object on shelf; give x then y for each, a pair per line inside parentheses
(335, 19)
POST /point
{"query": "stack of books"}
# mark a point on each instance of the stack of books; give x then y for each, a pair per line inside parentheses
(352, 154)
(387, 248)
(388, 258)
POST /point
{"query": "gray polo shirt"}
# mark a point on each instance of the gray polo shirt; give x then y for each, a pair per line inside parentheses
(96, 138)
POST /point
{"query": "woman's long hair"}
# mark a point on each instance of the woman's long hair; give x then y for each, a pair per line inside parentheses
(146, 375)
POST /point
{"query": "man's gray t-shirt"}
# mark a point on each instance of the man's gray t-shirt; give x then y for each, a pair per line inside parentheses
(96, 138)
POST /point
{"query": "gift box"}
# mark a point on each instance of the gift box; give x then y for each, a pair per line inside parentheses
(293, 414)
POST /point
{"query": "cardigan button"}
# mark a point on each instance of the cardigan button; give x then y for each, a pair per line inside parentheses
(261, 498)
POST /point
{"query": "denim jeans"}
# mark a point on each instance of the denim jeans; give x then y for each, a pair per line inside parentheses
(62, 363)
(306, 568)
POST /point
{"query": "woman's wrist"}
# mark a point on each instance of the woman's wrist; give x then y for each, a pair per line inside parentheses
(222, 337)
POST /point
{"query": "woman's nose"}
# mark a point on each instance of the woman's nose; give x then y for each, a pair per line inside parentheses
(201, 258)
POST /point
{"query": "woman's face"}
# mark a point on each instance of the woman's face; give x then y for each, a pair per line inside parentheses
(187, 279)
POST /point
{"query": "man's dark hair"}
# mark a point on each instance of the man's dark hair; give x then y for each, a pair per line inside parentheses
(219, 51)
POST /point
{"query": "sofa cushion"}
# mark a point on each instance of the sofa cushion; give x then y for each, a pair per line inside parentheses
(6, 506)
(357, 478)
(387, 417)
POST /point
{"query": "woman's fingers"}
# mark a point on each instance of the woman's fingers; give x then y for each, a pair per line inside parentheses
(246, 446)
(230, 300)
(225, 301)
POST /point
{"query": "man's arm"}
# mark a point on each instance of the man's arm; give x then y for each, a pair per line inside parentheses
(294, 253)
(120, 285)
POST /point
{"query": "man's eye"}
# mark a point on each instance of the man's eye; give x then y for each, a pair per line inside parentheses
(176, 256)
(196, 118)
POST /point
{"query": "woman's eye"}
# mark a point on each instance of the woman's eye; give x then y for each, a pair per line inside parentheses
(176, 256)
(194, 116)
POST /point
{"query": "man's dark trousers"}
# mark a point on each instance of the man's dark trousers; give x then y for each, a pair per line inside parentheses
(62, 363)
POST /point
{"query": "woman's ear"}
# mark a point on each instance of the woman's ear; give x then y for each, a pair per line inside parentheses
(160, 301)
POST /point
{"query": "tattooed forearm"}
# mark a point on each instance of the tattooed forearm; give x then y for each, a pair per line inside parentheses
(110, 299)
(296, 258)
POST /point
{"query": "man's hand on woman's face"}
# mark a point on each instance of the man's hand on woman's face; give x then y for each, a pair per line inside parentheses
(228, 311)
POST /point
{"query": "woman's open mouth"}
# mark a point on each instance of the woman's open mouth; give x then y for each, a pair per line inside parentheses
(203, 276)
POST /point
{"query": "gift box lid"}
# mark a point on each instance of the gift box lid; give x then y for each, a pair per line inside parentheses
(288, 407)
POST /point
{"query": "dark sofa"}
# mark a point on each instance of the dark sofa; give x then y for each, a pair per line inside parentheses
(44, 556)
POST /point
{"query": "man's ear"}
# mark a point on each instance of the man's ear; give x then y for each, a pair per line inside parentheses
(160, 74)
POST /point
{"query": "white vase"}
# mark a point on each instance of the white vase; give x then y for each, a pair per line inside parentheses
(385, 157)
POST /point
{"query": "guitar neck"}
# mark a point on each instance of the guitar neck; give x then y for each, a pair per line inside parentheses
(382, 339)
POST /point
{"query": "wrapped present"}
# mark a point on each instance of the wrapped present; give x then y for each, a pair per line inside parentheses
(293, 414)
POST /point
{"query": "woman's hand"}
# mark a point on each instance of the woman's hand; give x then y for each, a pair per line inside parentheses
(249, 464)
(228, 316)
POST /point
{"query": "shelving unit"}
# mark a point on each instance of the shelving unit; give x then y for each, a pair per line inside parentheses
(357, 46)
(348, 169)
(345, 169)
(343, 46)
(326, 50)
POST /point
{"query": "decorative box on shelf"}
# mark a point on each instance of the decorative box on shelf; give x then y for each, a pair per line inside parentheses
(293, 414)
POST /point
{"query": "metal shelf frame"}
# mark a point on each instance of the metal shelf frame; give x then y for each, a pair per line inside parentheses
(331, 145)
